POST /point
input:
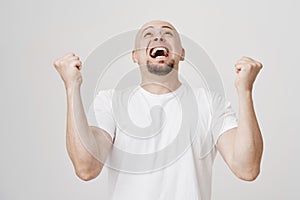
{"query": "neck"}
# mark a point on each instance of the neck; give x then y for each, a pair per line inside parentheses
(160, 84)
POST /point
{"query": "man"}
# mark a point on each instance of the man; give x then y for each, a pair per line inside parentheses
(158, 51)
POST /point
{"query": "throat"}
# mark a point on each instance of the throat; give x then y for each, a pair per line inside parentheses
(160, 88)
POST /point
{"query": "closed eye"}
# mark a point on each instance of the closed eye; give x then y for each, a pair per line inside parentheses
(147, 34)
(168, 33)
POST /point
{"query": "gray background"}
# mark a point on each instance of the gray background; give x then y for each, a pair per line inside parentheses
(34, 161)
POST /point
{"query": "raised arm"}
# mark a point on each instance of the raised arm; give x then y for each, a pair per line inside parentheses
(242, 147)
(86, 146)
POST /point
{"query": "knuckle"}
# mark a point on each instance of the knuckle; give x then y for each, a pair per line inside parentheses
(251, 67)
(64, 63)
(55, 63)
(72, 62)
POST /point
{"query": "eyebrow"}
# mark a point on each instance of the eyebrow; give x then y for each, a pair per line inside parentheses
(167, 27)
(161, 27)
(148, 28)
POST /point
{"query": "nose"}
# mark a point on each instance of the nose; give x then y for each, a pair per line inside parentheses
(160, 38)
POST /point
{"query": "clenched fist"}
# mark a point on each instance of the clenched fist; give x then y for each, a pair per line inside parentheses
(69, 67)
(247, 70)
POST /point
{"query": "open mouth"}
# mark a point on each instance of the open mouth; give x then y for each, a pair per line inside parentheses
(158, 52)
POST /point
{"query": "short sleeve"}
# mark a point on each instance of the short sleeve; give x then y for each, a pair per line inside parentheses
(100, 112)
(223, 116)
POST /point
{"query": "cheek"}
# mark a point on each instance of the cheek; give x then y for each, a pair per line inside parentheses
(177, 51)
(141, 57)
(143, 49)
(176, 47)
(144, 44)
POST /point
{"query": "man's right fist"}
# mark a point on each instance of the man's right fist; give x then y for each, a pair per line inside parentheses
(69, 67)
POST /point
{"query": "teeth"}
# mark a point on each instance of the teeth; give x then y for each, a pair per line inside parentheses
(157, 49)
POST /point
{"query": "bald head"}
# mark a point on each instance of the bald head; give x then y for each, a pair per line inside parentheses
(158, 23)
(158, 47)
(154, 24)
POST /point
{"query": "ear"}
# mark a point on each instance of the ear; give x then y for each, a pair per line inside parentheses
(182, 54)
(134, 56)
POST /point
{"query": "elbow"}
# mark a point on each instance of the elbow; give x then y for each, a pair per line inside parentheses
(248, 172)
(248, 175)
(86, 174)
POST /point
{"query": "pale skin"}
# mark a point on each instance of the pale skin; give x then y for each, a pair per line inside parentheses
(86, 166)
(240, 147)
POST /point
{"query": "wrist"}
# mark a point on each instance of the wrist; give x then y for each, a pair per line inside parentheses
(70, 87)
(245, 93)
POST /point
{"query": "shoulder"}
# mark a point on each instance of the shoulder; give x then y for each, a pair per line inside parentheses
(210, 99)
(106, 92)
(114, 94)
(203, 94)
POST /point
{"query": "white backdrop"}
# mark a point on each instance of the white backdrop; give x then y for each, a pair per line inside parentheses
(34, 161)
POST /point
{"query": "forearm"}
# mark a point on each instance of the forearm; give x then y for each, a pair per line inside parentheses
(248, 145)
(79, 134)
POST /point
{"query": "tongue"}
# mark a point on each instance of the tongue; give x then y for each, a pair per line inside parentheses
(159, 53)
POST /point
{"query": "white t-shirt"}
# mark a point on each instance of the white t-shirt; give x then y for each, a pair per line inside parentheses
(165, 153)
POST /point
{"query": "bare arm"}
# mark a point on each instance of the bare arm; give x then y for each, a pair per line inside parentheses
(86, 146)
(242, 147)
(87, 159)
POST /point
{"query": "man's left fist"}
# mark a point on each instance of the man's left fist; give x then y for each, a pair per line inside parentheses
(247, 70)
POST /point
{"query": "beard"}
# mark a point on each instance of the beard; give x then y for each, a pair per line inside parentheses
(159, 69)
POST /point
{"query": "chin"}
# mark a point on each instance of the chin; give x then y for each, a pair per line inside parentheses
(160, 68)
